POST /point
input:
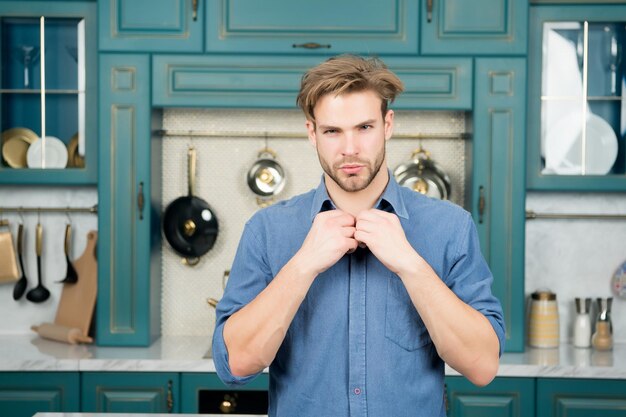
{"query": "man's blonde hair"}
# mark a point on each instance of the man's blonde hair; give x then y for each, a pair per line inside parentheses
(347, 74)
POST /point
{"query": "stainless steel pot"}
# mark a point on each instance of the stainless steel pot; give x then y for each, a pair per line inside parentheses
(266, 177)
(423, 175)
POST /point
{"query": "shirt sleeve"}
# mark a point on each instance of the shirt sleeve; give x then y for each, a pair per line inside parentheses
(470, 279)
(249, 275)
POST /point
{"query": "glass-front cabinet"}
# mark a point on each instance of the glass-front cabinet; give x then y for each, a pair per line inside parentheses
(577, 98)
(47, 97)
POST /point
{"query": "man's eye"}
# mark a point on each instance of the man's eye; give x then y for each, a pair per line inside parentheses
(330, 131)
(366, 127)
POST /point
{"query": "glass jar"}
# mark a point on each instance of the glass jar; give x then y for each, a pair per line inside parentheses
(543, 323)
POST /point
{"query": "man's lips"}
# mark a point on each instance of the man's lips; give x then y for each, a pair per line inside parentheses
(351, 168)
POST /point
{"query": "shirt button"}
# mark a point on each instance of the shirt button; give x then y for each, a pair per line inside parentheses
(357, 391)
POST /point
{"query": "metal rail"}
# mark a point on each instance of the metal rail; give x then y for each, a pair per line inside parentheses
(531, 215)
(287, 135)
(93, 209)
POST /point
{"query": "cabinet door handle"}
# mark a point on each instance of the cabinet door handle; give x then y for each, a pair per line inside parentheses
(311, 45)
(481, 203)
(194, 9)
(170, 397)
(140, 200)
(429, 10)
(445, 398)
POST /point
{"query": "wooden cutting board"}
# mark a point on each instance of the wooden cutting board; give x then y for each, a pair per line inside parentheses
(78, 300)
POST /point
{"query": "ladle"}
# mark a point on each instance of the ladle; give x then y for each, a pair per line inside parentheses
(20, 285)
(71, 277)
(40, 293)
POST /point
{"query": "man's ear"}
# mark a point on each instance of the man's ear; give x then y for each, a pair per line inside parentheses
(388, 124)
(310, 127)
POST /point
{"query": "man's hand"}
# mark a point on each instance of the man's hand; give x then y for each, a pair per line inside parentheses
(384, 236)
(330, 237)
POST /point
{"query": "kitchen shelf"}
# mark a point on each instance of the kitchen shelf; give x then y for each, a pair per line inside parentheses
(576, 99)
(67, 51)
(37, 91)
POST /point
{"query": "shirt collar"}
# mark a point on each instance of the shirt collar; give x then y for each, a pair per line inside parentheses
(391, 200)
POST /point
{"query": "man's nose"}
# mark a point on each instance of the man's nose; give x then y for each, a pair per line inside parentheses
(350, 144)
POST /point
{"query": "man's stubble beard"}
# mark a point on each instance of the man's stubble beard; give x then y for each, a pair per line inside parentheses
(353, 183)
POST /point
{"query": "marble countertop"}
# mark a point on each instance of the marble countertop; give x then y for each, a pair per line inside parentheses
(189, 354)
(135, 415)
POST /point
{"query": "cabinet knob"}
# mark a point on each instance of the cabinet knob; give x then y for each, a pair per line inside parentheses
(311, 45)
(228, 404)
(140, 200)
(481, 203)
(429, 10)
(194, 9)
(170, 397)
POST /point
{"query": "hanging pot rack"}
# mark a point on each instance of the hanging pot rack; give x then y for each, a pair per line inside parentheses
(288, 135)
(532, 215)
(93, 209)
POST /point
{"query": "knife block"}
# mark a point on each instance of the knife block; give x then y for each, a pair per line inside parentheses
(78, 300)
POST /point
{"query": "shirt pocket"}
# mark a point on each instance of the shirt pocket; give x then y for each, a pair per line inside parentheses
(403, 325)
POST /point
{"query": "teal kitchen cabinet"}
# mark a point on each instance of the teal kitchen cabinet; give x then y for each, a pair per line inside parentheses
(129, 267)
(560, 397)
(70, 68)
(503, 397)
(22, 394)
(204, 393)
(576, 135)
(273, 82)
(130, 392)
(478, 27)
(498, 174)
(312, 27)
(151, 26)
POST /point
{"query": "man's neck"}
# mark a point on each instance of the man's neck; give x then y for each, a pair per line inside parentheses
(357, 201)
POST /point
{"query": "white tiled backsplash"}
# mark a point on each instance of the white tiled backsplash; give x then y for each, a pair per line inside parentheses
(576, 258)
(18, 316)
(221, 180)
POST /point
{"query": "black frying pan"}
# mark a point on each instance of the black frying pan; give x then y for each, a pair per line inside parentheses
(189, 224)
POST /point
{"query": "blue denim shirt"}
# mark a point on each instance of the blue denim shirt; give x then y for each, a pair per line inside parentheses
(357, 345)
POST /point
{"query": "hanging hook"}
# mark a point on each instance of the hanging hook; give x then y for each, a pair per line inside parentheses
(190, 136)
(69, 218)
(21, 215)
(266, 147)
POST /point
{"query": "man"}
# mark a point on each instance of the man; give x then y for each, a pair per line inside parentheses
(354, 294)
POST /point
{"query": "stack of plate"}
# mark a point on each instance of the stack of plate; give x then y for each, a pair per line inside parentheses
(22, 148)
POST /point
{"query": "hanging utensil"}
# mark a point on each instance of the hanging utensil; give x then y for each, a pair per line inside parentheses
(71, 277)
(266, 177)
(213, 301)
(8, 266)
(20, 286)
(189, 224)
(40, 293)
(423, 175)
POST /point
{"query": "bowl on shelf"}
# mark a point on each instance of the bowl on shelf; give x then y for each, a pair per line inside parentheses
(74, 159)
(15, 144)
